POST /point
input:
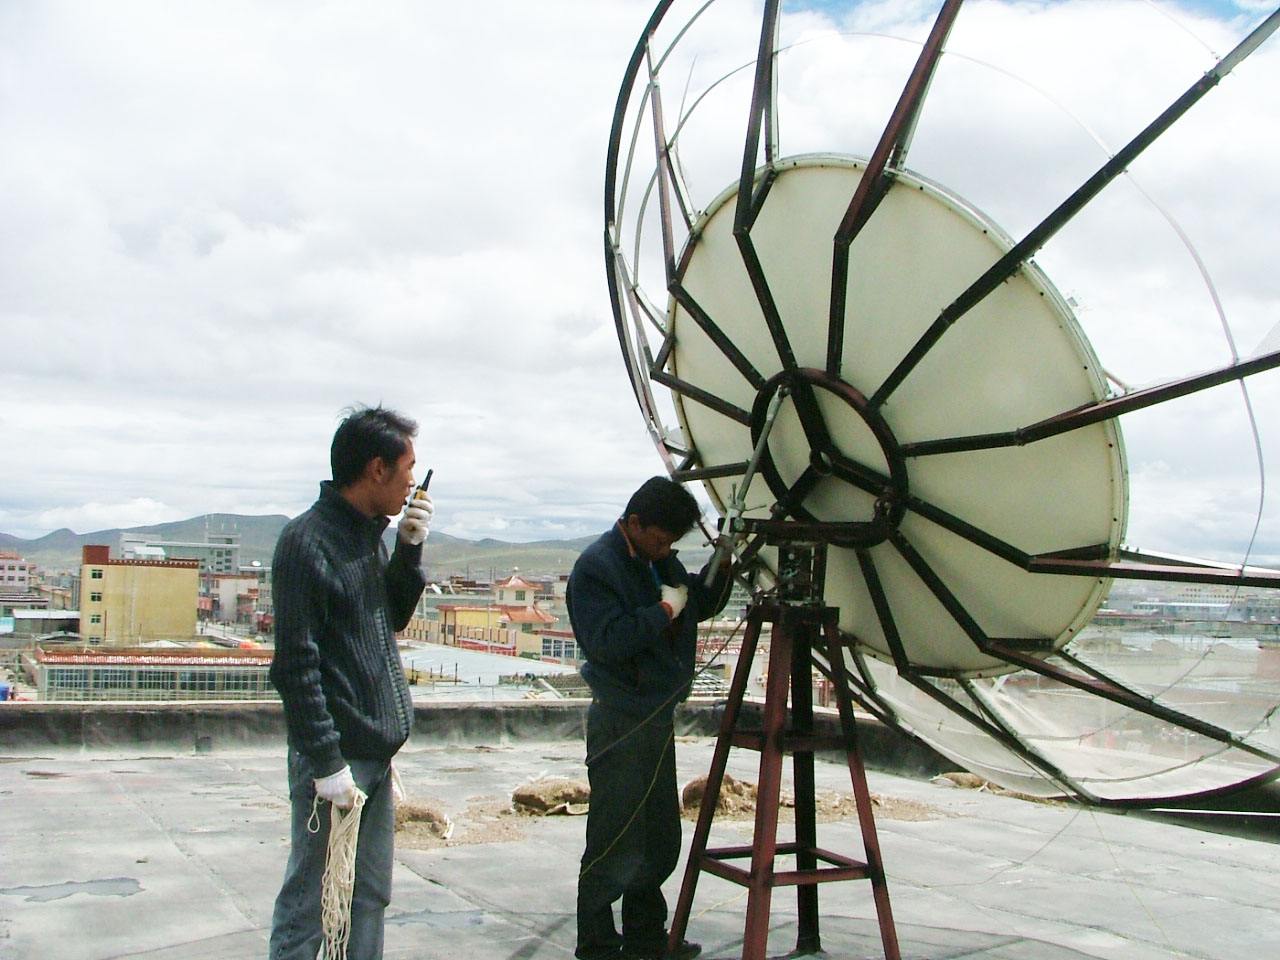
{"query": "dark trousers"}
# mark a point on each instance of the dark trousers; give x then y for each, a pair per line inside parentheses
(295, 925)
(633, 832)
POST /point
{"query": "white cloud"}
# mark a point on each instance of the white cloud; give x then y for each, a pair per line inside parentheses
(225, 222)
(88, 517)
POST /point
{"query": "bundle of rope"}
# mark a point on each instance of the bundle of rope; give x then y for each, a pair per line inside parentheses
(339, 881)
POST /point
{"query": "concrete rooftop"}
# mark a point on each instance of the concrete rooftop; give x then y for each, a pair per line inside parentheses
(162, 832)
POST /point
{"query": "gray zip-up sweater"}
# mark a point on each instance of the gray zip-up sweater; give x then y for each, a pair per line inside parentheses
(338, 602)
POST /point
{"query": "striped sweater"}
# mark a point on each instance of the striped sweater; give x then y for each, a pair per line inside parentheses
(338, 602)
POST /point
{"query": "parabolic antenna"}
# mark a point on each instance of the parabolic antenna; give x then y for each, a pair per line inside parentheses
(940, 402)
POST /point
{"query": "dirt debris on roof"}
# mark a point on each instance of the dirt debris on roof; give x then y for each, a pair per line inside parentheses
(737, 801)
(426, 818)
(552, 795)
(486, 819)
(971, 781)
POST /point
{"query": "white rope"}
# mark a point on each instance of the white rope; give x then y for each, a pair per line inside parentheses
(339, 881)
(397, 787)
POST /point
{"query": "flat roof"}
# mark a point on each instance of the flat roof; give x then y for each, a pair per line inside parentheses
(176, 850)
(153, 656)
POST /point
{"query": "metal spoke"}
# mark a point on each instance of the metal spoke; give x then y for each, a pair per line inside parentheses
(860, 687)
(789, 502)
(930, 578)
(663, 159)
(1169, 573)
(687, 473)
(717, 336)
(1001, 734)
(1092, 560)
(698, 395)
(875, 182)
(750, 197)
(884, 612)
(1092, 413)
(1099, 684)
(1024, 751)
(761, 105)
(1011, 654)
(1003, 268)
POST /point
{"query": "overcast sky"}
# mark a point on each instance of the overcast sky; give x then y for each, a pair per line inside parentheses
(220, 223)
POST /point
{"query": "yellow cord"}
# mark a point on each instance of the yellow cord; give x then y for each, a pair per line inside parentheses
(640, 806)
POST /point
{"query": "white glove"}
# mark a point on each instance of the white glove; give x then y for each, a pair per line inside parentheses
(338, 788)
(397, 786)
(415, 524)
(675, 598)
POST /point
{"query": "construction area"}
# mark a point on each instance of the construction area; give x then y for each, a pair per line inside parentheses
(161, 832)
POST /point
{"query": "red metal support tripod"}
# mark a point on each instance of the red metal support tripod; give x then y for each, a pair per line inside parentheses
(796, 628)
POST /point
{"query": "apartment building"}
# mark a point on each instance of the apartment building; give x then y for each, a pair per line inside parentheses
(130, 601)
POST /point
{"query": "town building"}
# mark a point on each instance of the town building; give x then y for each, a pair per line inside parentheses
(149, 673)
(219, 553)
(34, 624)
(16, 574)
(559, 645)
(18, 585)
(231, 597)
(130, 601)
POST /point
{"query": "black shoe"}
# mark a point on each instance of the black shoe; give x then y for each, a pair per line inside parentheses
(687, 950)
(598, 953)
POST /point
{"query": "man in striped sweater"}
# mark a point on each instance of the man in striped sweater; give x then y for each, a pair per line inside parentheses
(338, 602)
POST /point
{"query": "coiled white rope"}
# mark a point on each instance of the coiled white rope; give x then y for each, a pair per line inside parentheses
(339, 881)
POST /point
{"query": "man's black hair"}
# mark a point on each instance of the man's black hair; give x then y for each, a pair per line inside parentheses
(365, 434)
(662, 502)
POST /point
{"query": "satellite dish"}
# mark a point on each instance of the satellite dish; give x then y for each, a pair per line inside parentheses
(940, 399)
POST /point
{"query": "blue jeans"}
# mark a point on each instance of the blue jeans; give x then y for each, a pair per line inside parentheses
(295, 924)
(633, 833)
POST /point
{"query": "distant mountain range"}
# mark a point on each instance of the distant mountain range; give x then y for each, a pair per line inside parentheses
(445, 555)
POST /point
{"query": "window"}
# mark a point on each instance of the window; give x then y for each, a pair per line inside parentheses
(112, 679)
(95, 574)
(560, 648)
(96, 618)
(64, 679)
(156, 680)
(96, 596)
(197, 680)
(520, 596)
(245, 681)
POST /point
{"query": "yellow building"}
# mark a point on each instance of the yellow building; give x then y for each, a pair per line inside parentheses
(456, 617)
(133, 601)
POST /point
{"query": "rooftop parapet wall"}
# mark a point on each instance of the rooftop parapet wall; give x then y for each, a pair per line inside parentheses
(187, 727)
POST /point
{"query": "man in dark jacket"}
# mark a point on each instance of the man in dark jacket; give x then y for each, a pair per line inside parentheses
(338, 602)
(635, 613)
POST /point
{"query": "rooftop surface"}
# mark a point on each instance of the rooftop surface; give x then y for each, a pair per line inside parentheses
(131, 838)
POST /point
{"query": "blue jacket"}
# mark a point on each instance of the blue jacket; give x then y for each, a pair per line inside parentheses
(637, 660)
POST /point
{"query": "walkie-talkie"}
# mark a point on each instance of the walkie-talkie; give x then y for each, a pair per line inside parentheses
(422, 487)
